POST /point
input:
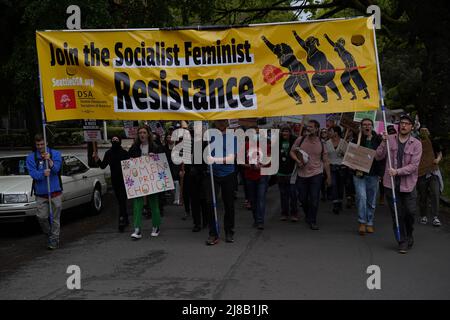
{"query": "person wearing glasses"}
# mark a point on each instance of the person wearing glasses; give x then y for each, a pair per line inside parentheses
(405, 151)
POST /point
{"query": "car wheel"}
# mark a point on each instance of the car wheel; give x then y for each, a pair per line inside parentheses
(96, 201)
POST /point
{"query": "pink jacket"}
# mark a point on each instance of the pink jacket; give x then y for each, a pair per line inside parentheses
(408, 170)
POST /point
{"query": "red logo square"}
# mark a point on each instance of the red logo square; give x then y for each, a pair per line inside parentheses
(65, 99)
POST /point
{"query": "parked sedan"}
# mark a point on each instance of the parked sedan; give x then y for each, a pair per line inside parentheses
(81, 185)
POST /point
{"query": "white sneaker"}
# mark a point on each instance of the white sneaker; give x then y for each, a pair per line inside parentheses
(436, 222)
(424, 220)
(137, 234)
(155, 232)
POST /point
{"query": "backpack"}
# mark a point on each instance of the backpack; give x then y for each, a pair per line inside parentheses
(36, 161)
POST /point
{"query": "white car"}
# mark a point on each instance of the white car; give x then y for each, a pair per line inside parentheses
(81, 185)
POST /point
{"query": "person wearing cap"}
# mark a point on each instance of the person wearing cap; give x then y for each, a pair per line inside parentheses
(405, 152)
(112, 158)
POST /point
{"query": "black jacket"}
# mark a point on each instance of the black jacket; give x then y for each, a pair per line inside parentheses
(287, 165)
(113, 157)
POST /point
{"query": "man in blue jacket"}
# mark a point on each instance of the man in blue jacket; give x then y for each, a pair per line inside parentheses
(38, 171)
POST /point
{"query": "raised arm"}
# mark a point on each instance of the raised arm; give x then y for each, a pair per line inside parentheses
(300, 40)
(268, 43)
(329, 40)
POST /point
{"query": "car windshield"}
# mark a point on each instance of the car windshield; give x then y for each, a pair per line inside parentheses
(13, 166)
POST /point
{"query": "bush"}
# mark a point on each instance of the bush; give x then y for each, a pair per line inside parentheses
(14, 140)
(119, 131)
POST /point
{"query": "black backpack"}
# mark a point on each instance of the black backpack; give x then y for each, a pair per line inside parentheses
(36, 161)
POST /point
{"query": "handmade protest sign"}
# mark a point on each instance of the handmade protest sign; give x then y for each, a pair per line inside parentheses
(358, 158)
(427, 164)
(224, 73)
(365, 115)
(91, 131)
(146, 175)
(347, 122)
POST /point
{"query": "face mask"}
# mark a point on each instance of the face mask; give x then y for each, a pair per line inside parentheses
(115, 144)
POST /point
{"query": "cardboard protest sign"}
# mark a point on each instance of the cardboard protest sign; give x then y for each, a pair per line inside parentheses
(146, 175)
(347, 122)
(130, 129)
(233, 123)
(427, 160)
(292, 119)
(91, 131)
(358, 158)
(365, 115)
(248, 122)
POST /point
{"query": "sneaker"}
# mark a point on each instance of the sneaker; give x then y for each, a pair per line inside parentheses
(212, 240)
(403, 247)
(260, 226)
(137, 234)
(155, 232)
(424, 220)
(436, 222)
(369, 229)
(294, 218)
(283, 218)
(229, 238)
(314, 226)
(52, 246)
(362, 229)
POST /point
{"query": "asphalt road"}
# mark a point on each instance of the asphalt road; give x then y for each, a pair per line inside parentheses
(285, 261)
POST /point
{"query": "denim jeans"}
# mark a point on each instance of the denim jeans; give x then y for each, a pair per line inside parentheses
(366, 188)
(288, 196)
(309, 195)
(257, 191)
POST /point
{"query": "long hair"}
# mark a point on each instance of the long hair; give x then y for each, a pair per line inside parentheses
(137, 141)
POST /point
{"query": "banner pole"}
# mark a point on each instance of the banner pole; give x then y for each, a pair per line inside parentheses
(212, 184)
(383, 110)
(44, 125)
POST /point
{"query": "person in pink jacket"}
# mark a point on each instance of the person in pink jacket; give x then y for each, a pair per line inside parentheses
(406, 152)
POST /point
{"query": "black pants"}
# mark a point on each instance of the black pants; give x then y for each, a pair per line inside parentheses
(196, 199)
(309, 194)
(121, 196)
(406, 209)
(225, 185)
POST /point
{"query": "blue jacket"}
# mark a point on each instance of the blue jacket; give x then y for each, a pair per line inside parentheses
(37, 172)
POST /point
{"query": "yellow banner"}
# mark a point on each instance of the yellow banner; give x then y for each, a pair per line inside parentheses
(255, 71)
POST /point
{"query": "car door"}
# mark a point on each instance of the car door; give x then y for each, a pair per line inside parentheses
(76, 183)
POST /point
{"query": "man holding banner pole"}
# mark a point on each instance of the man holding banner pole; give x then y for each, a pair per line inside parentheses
(403, 171)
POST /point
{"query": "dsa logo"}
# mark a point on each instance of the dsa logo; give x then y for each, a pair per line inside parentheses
(65, 99)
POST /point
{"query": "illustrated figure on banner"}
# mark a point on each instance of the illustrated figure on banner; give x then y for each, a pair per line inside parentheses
(352, 72)
(318, 60)
(288, 60)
